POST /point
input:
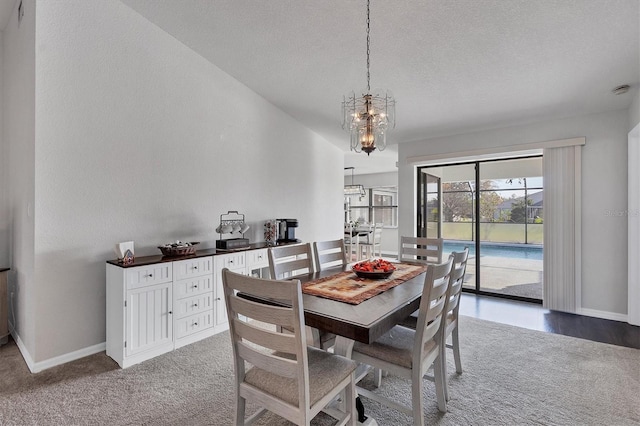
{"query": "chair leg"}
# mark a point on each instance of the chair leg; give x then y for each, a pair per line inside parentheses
(240, 410)
(455, 342)
(377, 377)
(443, 358)
(350, 401)
(439, 376)
(416, 397)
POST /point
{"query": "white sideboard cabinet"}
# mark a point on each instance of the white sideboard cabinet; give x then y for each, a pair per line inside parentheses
(159, 304)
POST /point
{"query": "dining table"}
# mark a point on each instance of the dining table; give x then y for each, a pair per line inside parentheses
(364, 322)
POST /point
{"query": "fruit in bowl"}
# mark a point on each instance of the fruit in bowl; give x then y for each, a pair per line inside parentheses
(374, 268)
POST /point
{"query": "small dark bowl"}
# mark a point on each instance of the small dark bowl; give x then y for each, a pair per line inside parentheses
(179, 251)
(373, 275)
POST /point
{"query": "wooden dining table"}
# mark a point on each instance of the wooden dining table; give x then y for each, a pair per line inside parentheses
(364, 322)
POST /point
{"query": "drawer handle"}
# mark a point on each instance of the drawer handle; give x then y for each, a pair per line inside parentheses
(149, 276)
(218, 298)
(194, 286)
(195, 323)
(230, 261)
(195, 305)
(170, 312)
(194, 267)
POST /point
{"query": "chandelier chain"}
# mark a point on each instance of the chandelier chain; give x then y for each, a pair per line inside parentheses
(368, 50)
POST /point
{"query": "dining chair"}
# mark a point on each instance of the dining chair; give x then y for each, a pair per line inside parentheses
(329, 253)
(290, 260)
(409, 353)
(284, 375)
(285, 262)
(451, 314)
(420, 249)
(373, 242)
(351, 240)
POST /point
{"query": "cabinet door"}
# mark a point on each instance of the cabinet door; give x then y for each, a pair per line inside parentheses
(221, 308)
(149, 318)
(258, 263)
(236, 263)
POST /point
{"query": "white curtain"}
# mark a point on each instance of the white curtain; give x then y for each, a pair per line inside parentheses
(562, 237)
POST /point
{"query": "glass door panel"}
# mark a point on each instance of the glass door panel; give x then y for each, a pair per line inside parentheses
(458, 215)
(429, 207)
(510, 215)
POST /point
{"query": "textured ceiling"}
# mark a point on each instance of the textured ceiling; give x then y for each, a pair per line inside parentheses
(454, 66)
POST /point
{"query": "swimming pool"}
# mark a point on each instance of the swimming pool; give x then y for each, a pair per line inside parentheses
(524, 251)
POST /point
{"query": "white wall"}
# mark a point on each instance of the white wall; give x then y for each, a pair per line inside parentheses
(604, 189)
(634, 110)
(4, 174)
(139, 138)
(18, 132)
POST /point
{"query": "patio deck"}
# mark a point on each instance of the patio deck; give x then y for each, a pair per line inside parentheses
(505, 275)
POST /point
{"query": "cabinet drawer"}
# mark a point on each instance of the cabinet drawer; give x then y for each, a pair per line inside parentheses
(257, 258)
(231, 261)
(193, 305)
(148, 275)
(193, 324)
(192, 287)
(192, 268)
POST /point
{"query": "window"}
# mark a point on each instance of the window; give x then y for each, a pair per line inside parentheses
(378, 205)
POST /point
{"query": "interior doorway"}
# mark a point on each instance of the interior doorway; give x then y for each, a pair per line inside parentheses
(494, 207)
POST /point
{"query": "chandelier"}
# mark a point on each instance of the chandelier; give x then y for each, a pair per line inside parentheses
(353, 189)
(368, 115)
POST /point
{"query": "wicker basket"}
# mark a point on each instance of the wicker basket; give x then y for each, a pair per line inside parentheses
(179, 251)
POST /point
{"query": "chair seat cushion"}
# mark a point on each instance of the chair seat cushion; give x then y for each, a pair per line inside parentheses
(326, 370)
(395, 347)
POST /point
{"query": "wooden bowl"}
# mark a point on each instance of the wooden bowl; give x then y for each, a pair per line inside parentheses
(375, 275)
(179, 250)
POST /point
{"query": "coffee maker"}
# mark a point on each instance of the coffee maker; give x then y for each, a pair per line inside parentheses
(287, 231)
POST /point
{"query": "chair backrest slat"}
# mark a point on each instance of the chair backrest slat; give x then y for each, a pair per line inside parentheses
(259, 311)
(273, 340)
(279, 365)
(329, 253)
(420, 249)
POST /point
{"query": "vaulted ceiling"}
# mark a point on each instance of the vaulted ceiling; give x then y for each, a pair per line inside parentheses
(454, 66)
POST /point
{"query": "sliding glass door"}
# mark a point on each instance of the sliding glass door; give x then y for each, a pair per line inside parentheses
(501, 202)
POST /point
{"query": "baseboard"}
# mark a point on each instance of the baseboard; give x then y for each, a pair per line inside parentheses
(23, 351)
(36, 367)
(602, 314)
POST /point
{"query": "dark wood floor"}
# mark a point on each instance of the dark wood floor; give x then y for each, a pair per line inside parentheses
(535, 317)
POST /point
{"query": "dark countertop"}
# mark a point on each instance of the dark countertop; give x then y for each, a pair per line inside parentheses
(159, 258)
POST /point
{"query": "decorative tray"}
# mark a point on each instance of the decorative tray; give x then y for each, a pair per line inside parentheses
(179, 248)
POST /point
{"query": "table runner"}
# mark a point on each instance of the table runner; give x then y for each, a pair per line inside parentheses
(349, 288)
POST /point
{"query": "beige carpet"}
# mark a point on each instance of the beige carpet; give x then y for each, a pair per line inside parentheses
(512, 376)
